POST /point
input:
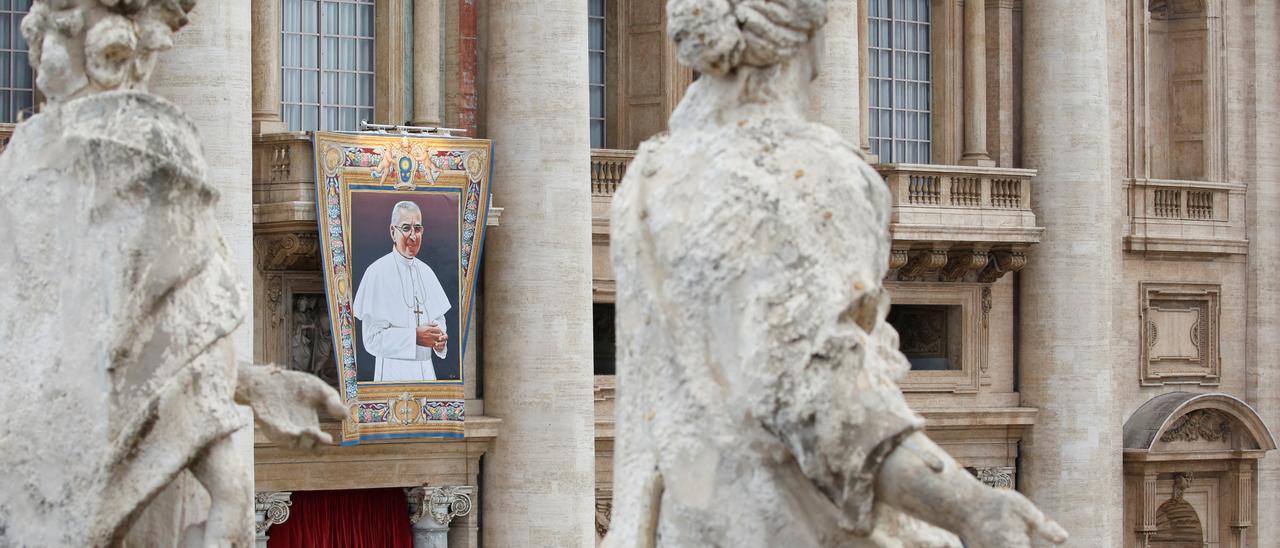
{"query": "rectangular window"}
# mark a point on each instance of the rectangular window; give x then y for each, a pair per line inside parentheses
(17, 90)
(929, 336)
(596, 58)
(899, 80)
(603, 334)
(327, 49)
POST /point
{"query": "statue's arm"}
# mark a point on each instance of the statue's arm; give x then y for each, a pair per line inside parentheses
(288, 404)
(921, 479)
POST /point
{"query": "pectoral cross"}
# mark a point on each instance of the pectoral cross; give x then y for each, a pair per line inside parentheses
(417, 312)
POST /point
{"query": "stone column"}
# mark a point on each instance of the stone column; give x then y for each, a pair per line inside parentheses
(426, 62)
(975, 84)
(1264, 242)
(266, 67)
(1072, 459)
(834, 95)
(269, 508)
(538, 477)
(432, 508)
(208, 75)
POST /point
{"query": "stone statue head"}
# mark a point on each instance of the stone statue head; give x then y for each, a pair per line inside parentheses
(718, 36)
(82, 47)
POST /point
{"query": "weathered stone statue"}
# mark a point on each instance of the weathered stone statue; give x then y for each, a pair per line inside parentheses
(119, 300)
(757, 395)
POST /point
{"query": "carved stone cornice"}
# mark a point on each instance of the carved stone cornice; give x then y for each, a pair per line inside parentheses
(922, 262)
(441, 503)
(961, 263)
(270, 508)
(287, 251)
(1001, 263)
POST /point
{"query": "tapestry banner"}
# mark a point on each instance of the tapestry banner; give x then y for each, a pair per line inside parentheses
(402, 221)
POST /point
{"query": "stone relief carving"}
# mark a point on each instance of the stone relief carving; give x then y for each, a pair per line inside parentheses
(287, 251)
(757, 397)
(131, 319)
(1179, 329)
(1201, 424)
(311, 342)
(604, 511)
(997, 477)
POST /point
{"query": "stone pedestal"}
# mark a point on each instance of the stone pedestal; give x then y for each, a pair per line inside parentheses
(431, 509)
(1072, 460)
(538, 477)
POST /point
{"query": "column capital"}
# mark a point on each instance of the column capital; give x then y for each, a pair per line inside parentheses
(270, 508)
(440, 503)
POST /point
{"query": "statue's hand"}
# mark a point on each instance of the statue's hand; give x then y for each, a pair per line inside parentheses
(287, 404)
(1006, 519)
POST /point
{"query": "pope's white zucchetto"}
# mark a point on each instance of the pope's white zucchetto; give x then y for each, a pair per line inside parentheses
(717, 36)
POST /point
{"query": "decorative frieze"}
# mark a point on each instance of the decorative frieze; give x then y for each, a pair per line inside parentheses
(1179, 328)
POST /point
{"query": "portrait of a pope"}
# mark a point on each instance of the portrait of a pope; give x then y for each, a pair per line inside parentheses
(401, 305)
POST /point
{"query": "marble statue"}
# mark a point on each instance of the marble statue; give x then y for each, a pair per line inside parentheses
(757, 395)
(119, 299)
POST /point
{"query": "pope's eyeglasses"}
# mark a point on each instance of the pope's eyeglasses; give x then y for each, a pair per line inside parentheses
(408, 229)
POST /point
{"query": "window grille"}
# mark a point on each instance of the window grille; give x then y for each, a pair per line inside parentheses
(327, 59)
(900, 83)
(596, 59)
(17, 89)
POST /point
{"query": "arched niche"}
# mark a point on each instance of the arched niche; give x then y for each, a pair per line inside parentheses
(1184, 450)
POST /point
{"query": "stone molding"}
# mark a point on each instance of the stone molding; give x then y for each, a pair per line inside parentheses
(1179, 329)
(973, 334)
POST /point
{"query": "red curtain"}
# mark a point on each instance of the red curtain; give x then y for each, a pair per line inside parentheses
(363, 518)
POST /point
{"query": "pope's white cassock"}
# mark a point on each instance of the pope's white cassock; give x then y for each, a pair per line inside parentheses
(397, 295)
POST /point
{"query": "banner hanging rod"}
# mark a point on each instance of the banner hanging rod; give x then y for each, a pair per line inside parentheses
(366, 127)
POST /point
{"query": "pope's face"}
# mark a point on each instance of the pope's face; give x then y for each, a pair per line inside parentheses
(408, 233)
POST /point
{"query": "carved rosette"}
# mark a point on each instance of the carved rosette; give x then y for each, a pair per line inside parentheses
(441, 503)
(270, 508)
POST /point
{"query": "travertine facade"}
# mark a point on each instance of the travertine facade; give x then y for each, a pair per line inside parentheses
(1096, 227)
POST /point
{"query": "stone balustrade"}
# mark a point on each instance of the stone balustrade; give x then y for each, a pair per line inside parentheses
(984, 206)
(1196, 217)
(607, 168)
